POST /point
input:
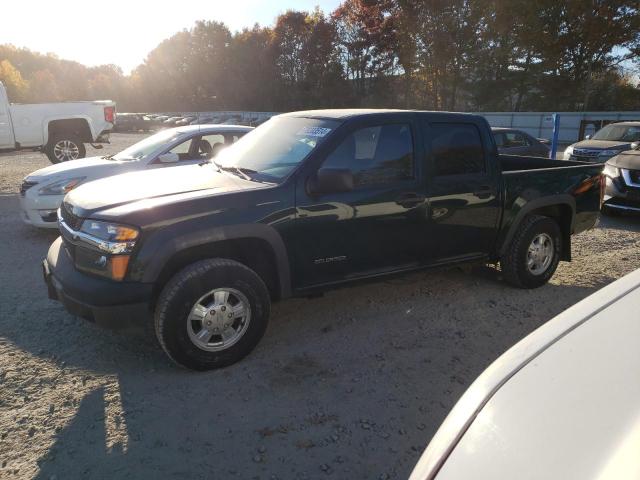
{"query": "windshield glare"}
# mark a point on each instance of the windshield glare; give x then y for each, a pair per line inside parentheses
(277, 146)
(144, 148)
(624, 133)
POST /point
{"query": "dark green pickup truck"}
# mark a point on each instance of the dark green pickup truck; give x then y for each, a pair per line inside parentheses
(306, 202)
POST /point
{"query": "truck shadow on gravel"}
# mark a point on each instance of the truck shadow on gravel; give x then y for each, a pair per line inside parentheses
(353, 384)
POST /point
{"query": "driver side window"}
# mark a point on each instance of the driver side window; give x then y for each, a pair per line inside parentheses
(376, 155)
(183, 150)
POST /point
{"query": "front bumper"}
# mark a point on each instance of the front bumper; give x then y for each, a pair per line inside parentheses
(40, 211)
(619, 196)
(117, 305)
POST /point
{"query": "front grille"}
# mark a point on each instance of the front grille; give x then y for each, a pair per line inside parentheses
(584, 152)
(73, 221)
(26, 186)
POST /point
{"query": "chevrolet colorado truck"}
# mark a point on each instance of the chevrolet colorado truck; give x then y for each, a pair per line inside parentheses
(60, 130)
(304, 203)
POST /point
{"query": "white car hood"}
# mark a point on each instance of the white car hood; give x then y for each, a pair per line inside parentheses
(571, 411)
(92, 167)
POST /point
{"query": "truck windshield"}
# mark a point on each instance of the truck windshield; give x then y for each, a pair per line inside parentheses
(276, 147)
(623, 133)
(144, 148)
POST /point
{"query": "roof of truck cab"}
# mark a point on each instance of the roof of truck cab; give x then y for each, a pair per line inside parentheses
(343, 114)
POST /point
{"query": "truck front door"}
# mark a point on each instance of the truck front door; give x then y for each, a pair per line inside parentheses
(6, 132)
(374, 227)
(462, 189)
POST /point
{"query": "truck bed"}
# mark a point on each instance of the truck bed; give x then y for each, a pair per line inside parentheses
(536, 181)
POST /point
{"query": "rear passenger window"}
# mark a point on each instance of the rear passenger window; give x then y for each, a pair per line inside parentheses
(375, 155)
(456, 149)
(515, 139)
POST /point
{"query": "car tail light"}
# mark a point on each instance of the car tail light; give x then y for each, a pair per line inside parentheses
(110, 114)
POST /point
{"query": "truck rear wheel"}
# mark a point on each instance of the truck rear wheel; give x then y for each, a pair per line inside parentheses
(212, 314)
(533, 255)
(65, 147)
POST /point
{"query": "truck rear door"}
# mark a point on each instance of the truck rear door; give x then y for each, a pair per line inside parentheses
(6, 132)
(462, 188)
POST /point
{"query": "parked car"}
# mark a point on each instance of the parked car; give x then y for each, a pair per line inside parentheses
(60, 130)
(560, 404)
(186, 120)
(517, 142)
(622, 176)
(158, 119)
(171, 121)
(305, 202)
(42, 191)
(605, 143)
(133, 122)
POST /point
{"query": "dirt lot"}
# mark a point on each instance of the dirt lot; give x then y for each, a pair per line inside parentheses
(350, 386)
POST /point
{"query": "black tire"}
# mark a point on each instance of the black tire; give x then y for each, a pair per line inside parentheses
(185, 289)
(73, 142)
(514, 262)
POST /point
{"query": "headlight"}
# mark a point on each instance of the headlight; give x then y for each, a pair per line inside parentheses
(114, 243)
(61, 187)
(110, 232)
(568, 152)
(608, 153)
(611, 171)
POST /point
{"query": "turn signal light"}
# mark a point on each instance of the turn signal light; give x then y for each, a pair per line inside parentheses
(118, 266)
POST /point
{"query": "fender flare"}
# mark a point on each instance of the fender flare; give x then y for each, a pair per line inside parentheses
(530, 206)
(170, 245)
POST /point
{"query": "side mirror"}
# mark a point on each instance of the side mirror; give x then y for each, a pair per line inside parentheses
(330, 180)
(587, 137)
(169, 157)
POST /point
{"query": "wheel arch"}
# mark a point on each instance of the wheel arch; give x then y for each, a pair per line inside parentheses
(79, 126)
(259, 247)
(561, 208)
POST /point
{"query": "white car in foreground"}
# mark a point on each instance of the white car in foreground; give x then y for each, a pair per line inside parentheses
(564, 403)
(42, 191)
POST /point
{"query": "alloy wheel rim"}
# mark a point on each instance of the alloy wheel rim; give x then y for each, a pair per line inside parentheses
(219, 319)
(65, 150)
(540, 254)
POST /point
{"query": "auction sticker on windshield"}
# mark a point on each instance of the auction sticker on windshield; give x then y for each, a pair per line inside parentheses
(314, 131)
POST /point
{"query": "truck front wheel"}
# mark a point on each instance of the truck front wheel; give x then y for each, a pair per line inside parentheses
(62, 148)
(533, 254)
(212, 314)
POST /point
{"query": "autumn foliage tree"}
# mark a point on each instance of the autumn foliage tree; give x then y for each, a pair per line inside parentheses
(474, 55)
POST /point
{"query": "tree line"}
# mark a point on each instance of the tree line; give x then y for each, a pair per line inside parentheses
(464, 55)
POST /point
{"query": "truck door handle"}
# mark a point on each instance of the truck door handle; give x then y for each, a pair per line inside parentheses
(408, 200)
(483, 192)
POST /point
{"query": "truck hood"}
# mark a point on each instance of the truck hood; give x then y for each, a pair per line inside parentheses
(603, 144)
(629, 160)
(147, 185)
(75, 168)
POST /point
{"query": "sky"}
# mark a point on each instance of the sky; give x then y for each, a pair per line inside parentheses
(123, 32)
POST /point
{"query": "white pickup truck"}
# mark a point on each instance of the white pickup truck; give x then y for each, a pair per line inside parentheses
(60, 130)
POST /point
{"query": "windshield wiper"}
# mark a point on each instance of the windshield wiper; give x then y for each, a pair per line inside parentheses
(108, 157)
(241, 171)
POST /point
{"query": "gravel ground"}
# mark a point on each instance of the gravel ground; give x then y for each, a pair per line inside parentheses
(352, 385)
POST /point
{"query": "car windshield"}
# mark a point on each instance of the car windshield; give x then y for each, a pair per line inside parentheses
(144, 148)
(624, 133)
(276, 147)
